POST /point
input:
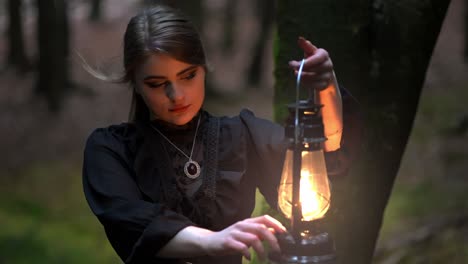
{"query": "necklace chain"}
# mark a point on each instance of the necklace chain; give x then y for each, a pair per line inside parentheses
(193, 144)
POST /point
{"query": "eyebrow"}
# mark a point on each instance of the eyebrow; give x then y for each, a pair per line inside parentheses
(178, 74)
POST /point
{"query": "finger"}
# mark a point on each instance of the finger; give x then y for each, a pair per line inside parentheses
(267, 235)
(269, 222)
(319, 59)
(279, 227)
(262, 232)
(251, 239)
(315, 76)
(308, 48)
(318, 64)
(259, 248)
(316, 81)
(238, 246)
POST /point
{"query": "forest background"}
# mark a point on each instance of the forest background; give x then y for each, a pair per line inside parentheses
(42, 208)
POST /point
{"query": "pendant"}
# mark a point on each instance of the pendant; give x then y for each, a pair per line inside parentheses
(192, 169)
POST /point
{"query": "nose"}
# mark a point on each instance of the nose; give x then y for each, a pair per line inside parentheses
(174, 92)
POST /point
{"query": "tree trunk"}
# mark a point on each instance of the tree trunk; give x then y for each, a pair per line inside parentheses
(53, 40)
(381, 50)
(266, 14)
(16, 53)
(95, 13)
(465, 31)
(193, 9)
(229, 24)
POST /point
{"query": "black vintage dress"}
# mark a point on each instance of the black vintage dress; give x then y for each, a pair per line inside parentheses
(134, 183)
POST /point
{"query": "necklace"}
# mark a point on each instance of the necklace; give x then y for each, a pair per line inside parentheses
(191, 167)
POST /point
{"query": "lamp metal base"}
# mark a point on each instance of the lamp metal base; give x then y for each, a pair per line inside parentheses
(316, 248)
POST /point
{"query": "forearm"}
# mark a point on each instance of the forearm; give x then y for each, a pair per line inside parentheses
(332, 113)
(188, 242)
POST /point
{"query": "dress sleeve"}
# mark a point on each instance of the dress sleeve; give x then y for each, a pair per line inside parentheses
(266, 150)
(136, 228)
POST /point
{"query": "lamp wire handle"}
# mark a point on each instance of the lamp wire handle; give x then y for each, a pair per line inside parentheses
(298, 84)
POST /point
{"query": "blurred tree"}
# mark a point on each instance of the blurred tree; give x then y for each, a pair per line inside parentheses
(16, 53)
(228, 26)
(265, 10)
(193, 9)
(465, 33)
(53, 39)
(381, 50)
(95, 11)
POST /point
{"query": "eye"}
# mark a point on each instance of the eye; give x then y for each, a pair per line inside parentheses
(157, 85)
(191, 75)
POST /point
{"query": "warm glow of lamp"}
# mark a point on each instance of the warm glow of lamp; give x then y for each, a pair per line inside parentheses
(314, 186)
(304, 190)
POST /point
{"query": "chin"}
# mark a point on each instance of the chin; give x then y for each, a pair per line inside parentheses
(182, 120)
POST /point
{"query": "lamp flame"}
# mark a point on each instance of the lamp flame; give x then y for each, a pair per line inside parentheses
(314, 186)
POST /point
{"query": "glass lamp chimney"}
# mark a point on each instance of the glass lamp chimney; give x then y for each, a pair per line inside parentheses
(311, 188)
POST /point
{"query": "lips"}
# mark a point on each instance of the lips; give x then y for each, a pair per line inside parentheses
(178, 109)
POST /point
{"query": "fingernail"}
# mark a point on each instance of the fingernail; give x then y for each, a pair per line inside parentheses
(301, 38)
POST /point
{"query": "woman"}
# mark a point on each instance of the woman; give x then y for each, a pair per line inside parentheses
(176, 184)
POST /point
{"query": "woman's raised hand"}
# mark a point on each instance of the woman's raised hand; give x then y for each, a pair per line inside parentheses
(239, 237)
(318, 67)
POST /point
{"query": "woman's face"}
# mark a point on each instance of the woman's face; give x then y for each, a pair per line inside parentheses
(173, 90)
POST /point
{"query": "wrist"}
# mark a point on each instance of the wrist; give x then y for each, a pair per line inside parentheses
(330, 89)
(332, 84)
(202, 240)
(189, 242)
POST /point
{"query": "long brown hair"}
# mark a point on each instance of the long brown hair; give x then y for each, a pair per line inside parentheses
(155, 29)
(158, 29)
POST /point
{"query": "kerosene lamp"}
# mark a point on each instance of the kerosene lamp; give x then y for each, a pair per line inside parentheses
(304, 190)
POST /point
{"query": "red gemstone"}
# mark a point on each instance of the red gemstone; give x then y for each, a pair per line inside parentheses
(192, 169)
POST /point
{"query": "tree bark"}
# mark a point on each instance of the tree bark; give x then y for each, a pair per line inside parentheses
(193, 9)
(266, 13)
(381, 50)
(53, 40)
(16, 53)
(229, 24)
(465, 31)
(95, 13)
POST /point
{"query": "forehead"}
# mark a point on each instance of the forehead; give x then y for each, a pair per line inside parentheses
(162, 64)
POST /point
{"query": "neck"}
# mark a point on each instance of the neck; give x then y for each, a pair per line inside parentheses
(167, 125)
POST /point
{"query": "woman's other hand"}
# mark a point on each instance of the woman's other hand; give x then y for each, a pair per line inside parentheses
(317, 72)
(239, 237)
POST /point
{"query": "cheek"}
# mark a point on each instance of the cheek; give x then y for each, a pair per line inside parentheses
(201, 86)
(152, 99)
(156, 100)
(199, 92)
(202, 93)
(156, 105)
